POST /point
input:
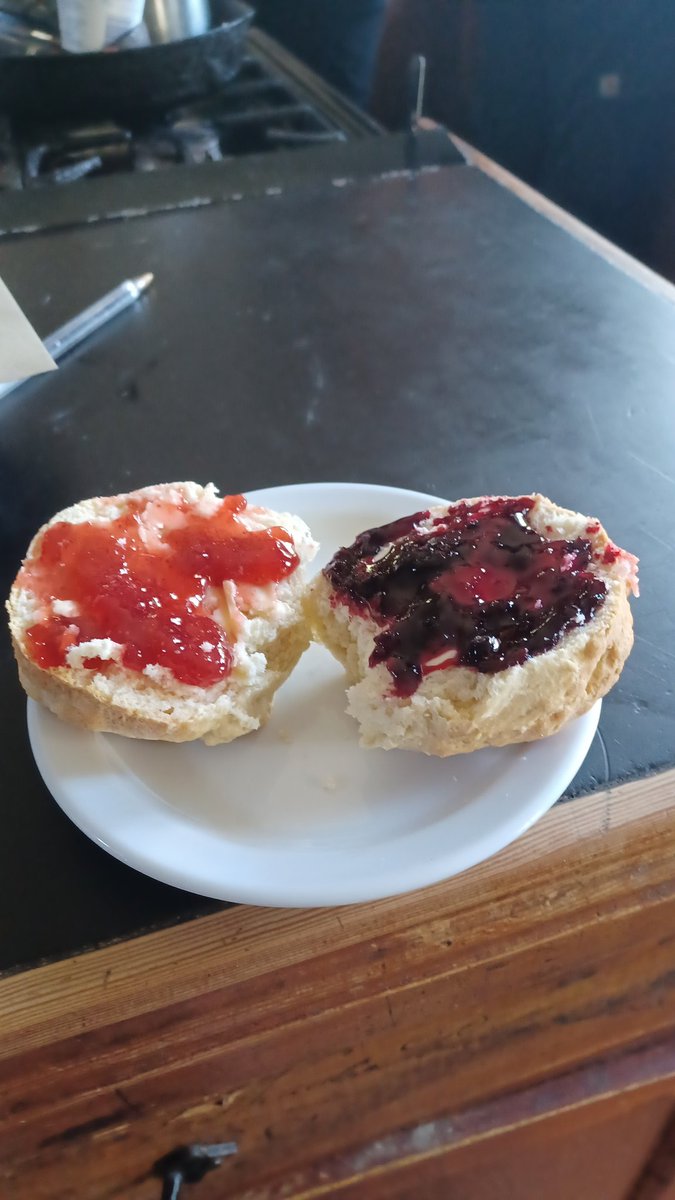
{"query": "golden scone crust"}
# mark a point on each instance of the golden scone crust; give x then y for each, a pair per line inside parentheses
(146, 716)
(458, 710)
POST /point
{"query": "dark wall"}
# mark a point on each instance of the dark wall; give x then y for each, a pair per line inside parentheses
(575, 96)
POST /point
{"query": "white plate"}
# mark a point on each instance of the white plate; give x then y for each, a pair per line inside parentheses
(298, 814)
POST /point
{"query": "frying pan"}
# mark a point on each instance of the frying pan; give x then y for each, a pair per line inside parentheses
(115, 81)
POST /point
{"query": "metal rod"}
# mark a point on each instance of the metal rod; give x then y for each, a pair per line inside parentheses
(417, 79)
(421, 80)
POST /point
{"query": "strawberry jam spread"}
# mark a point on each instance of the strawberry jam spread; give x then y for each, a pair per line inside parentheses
(475, 587)
(145, 580)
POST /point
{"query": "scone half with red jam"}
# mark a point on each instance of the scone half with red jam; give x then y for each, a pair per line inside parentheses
(167, 613)
(479, 623)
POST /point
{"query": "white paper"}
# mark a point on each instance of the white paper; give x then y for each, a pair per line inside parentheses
(21, 352)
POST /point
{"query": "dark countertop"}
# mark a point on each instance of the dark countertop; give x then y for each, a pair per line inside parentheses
(432, 333)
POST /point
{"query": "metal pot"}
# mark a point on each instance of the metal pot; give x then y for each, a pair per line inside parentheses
(122, 80)
(169, 20)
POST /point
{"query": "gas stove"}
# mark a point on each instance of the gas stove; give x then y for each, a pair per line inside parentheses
(258, 112)
(274, 124)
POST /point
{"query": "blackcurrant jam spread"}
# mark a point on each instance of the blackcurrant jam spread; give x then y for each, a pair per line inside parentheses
(142, 580)
(475, 587)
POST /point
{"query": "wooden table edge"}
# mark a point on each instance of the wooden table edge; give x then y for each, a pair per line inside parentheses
(77, 994)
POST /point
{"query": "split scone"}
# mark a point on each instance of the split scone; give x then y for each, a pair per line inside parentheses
(168, 613)
(478, 623)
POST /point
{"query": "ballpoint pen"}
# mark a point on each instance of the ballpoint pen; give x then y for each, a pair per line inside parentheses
(85, 323)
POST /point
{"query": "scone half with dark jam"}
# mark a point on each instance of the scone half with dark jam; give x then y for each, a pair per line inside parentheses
(484, 622)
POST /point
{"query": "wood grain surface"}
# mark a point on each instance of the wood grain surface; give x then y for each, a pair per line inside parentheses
(656, 1180)
(338, 1046)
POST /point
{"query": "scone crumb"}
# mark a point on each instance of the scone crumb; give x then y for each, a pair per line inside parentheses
(65, 608)
(104, 648)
